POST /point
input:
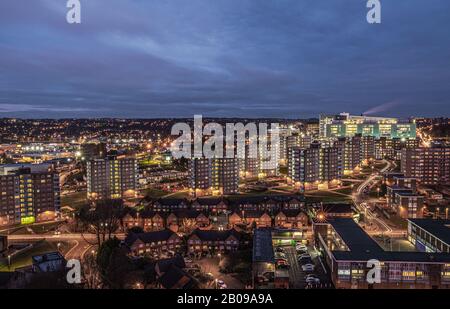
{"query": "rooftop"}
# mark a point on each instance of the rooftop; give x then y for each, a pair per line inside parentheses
(363, 247)
(262, 246)
(438, 228)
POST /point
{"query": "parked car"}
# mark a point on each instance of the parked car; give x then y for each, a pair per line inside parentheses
(312, 280)
(304, 255)
(280, 258)
(300, 246)
(280, 255)
(301, 251)
(305, 261)
(262, 279)
(308, 267)
(282, 264)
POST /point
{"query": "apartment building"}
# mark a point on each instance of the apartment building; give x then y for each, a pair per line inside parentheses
(350, 148)
(218, 176)
(29, 193)
(346, 125)
(430, 166)
(112, 178)
(315, 167)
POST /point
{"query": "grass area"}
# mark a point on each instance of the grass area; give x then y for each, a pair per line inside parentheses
(344, 191)
(24, 259)
(288, 189)
(326, 196)
(74, 200)
(154, 193)
(153, 162)
(179, 194)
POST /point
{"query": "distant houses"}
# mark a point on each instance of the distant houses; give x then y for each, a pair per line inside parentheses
(152, 242)
(213, 241)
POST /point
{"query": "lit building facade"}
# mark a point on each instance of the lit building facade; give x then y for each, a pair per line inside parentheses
(29, 194)
(346, 125)
(112, 178)
(430, 166)
(218, 176)
(314, 167)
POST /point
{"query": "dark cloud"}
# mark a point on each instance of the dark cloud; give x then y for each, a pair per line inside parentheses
(275, 58)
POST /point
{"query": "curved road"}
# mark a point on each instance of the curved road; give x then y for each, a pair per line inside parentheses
(358, 200)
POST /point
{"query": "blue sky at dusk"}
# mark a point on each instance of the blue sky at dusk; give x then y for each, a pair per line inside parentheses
(244, 58)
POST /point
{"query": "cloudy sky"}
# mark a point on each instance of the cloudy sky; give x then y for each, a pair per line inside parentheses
(258, 58)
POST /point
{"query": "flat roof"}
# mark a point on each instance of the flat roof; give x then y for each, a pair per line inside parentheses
(354, 236)
(363, 248)
(439, 228)
(262, 246)
(407, 193)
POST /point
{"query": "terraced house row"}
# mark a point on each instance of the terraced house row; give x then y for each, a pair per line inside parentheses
(184, 220)
(198, 242)
(221, 204)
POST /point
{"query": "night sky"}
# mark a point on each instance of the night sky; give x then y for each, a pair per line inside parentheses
(254, 58)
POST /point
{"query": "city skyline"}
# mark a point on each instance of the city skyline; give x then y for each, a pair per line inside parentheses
(289, 59)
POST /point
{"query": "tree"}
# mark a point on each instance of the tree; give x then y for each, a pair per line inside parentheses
(91, 272)
(103, 219)
(113, 263)
(136, 230)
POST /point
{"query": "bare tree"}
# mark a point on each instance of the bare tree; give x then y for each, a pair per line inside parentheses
(103, 219)
(91, 273)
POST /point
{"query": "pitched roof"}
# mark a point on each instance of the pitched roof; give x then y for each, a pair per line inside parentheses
(173, 275)
(214, 235)
(164, 264)
(254, 213)
(290, 212)
(148, 236)
(185, 213)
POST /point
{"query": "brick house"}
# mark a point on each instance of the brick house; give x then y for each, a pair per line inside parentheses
(291, 218)
(213, 241)
(210, 204)
(147, 220)
(260, 218)
(151, 242)
(169, 204)
(176, 219)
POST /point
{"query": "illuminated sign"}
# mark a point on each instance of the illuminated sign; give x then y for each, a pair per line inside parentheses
(27, 220)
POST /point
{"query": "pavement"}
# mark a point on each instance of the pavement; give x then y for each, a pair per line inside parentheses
(211, 265)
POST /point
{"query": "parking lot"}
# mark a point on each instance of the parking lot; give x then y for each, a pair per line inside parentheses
(297, 275)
